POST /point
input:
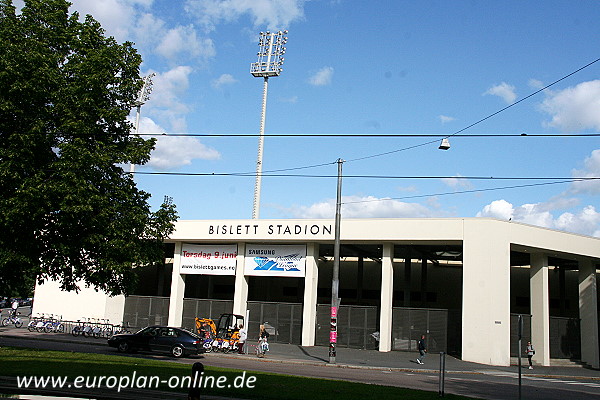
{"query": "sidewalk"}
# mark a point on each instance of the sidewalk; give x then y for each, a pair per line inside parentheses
(354, 358)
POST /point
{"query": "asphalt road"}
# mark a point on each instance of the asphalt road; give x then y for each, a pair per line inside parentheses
(485, 383)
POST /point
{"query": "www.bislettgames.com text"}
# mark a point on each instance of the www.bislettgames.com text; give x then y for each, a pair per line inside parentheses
(135, 381)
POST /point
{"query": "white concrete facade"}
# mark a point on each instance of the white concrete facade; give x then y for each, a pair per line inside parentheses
(486, 269)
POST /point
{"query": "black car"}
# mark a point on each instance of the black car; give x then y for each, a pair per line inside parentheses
(178, 342)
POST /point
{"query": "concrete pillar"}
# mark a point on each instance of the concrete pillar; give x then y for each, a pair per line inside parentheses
(540, 308)
(588, 313)
(240, 296)
(486, 292)
(177, 289)
(311, 282)
(387, 297)
(424, 282)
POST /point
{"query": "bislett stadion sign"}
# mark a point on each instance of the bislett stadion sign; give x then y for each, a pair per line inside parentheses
(266, 229)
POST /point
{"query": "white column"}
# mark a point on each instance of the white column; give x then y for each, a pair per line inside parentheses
(540, 308)
(311, 282)
(588, 313)
(177, 289)
(486, 292)
(387, 296)
(240, 297)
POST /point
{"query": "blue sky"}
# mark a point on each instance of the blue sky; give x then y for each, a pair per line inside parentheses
(372, 68)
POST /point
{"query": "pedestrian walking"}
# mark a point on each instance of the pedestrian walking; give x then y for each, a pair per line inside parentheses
(530, 351)
(421, 345)
(243, 336)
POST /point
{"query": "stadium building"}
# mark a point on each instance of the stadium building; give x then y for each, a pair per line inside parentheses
(464, 283)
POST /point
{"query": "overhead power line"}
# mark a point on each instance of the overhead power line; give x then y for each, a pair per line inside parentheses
(371, 135)
(465, 191)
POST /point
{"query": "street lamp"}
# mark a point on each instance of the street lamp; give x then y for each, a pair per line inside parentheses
(270, 60)
(143, 97)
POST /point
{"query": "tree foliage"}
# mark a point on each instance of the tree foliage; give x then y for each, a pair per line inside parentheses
(68, 210)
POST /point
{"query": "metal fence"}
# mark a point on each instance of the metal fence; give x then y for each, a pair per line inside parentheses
(514, 334)
(283, 321)
(565, 336)
(408, 324)
(202, 308)
(356, 326)
(142, 311)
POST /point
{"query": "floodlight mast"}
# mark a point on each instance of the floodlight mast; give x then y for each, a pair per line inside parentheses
(143, 97)
(270, 60)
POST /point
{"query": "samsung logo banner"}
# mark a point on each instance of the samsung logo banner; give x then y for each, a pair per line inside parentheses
(275, 260)
(208, 259)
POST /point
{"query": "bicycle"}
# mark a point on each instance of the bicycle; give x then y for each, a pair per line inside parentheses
(13, 319)
(262, 347)
(54, 325)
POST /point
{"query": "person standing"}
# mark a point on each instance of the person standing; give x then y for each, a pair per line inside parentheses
(421, 345)
(530, 351)
(243, 336)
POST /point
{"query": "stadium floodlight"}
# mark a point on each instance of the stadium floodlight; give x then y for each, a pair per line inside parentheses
(270, 59)
(142, 98)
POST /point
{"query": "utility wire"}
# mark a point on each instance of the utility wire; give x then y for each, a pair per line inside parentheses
(465, 191)
(480, 120)
(489, 178)
(369, 135)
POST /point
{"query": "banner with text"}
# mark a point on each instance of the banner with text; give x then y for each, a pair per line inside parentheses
(275, 260)
(208, 259)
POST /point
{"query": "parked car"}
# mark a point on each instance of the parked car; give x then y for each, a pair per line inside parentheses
(175, 341)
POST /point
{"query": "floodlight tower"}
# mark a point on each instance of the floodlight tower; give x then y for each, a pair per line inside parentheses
(142, 98)
(270, 60)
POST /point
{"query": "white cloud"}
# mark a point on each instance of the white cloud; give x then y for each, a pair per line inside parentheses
(586, 222)
(224, 79)
(535, 84)
(591, 170)
(182, 41)
(165, 102)
(575, 108)
(322, 77)
(500, 209)
(364, 207)
(174, 151)
(274, 14)
(457, 182)
(445, 119)
(505, 91)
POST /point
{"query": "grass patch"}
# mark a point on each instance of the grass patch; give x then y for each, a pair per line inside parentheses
(32, 362)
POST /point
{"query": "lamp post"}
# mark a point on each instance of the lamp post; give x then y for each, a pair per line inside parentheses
(270, 60)
(143, 97)
(335, 282)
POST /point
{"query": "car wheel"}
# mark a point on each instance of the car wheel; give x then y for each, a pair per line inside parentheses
(177, 351)
(123, 347)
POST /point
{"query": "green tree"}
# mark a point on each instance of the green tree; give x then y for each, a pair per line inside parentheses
(68, 210)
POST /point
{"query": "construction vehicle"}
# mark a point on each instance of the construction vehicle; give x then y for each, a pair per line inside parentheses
(222, 336)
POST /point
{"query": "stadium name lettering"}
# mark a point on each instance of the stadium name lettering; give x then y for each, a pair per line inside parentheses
(279, 229)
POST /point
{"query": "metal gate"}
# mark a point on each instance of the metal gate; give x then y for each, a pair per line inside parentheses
(565, 338)
(283, 321)
(408, 324)
(203, 308)
(356, 326)
(514, 334)
(142, 311)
